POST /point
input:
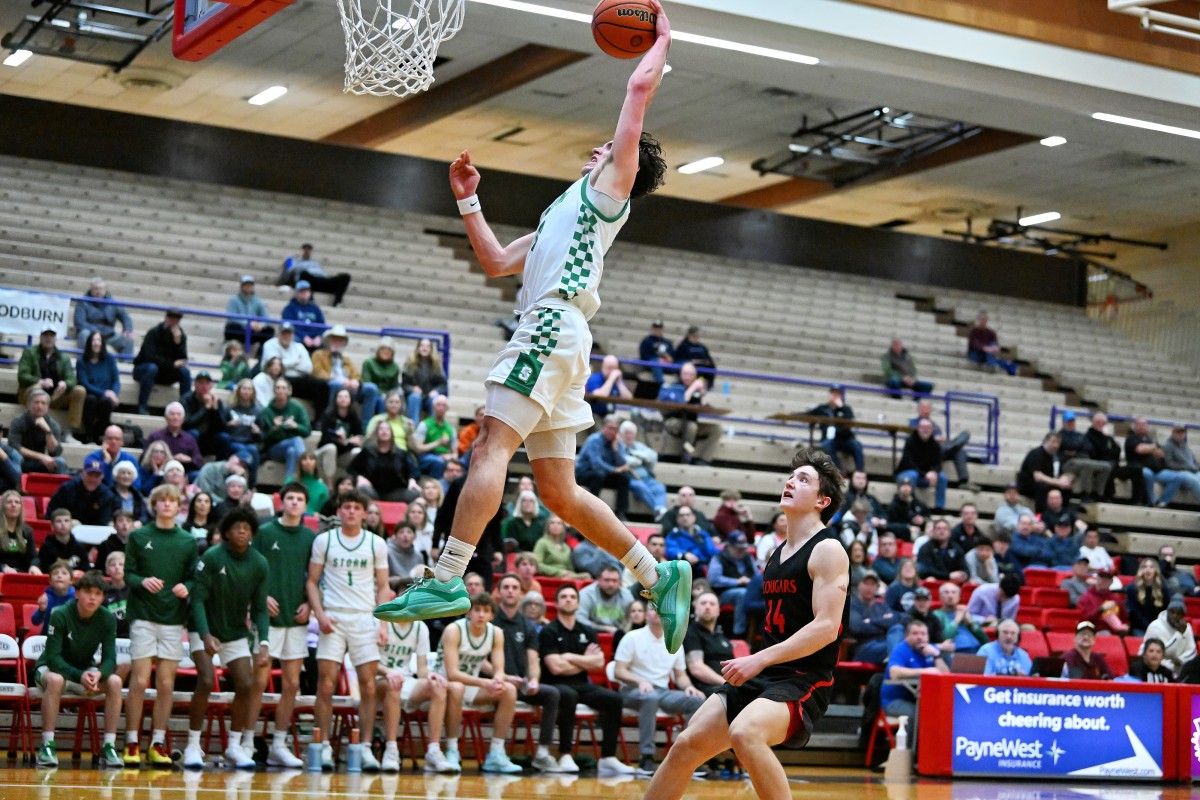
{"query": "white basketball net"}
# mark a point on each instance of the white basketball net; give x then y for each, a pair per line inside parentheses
(391, 44)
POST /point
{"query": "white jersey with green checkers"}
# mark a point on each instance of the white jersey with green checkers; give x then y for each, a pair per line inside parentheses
(471, 652)
(403, 647)
(348, 581)
(566, 260)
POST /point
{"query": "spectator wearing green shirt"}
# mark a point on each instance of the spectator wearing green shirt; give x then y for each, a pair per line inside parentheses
(231, 584)
(436, 440)
(525, 526)
(383, 371)
(285, 425)
(75, 632)
(46, 367)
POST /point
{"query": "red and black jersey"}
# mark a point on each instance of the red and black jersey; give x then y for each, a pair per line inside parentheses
(788, 593)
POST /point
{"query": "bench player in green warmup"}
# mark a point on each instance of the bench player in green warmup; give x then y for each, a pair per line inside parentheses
(77, 629)
(536, 386)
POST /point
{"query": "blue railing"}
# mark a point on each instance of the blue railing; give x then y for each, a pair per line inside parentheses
(1056, 412)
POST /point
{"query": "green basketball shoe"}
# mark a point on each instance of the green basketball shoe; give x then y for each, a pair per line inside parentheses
(672, 598)
(428, 598)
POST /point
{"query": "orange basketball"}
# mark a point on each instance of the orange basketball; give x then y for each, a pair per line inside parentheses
(624, 28)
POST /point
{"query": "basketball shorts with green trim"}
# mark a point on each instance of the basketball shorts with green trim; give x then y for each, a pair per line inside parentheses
(546, 361)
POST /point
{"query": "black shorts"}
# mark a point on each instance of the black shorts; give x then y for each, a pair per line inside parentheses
(806, 696)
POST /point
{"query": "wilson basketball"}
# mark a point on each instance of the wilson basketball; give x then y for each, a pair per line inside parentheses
(624, 28)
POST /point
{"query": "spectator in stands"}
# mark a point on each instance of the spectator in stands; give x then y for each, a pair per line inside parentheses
(967, 532)
(696, 439)
(91, 315)
(285, 426)
(1004, 656)
(910, 659)
(525, 526)
(213, 474)
(1179, 458)
(58, 593)
(871, 619)
(382, 470)
(1028, 548)
(1146, 597)
(688, 541)
(691, 350)
(116, 597)
(1054, 510)
(525, 567)
(162, 359)
(435, 441)
(307, 317)
(247, 304)
(1063, 546)
(1179, 581)
(733, 515)
(1011, 510)
(1091, 549)
(1077, 584)
(705, 646)
(860, 562)
(602, 603)
(341, 433)
(403, 558)
(112, 452)
(1141, 450)
(382, 370)
(183, 446)
(1099, 606)
(857, 527)
(454, 471)
(10, 465)
(1006, 561)
(423, 379)
(641, 458)
(206, 418)
(1174, 634)
(297, 368)
(957, 624)
(601, 464)
(921, 608)
(646, 672)
(332, 365)
(46, 367)
(525, 484)
(729, 573)
(1091, 473)
(1081, 662)
(899, 595)
(242, 426)
(686, 498)
(154, 462)
(304, 268)
(940, 558)
(906, 514)
(99, 378)
(860, 487)
(607, 381)
(61, 544)
(994, 602)
(17, 550)
(468, 435)
(654, 347)
(656, 544)
(124, 489)
(839, 438)
(85, 496)
(175, 475)
(886, 562)
(201, 521)
(981, 563)
(983, 347)
(900, 371)
(921, 462)
(37, 437)
(553, 551)
(123, 524)
(1041, 471)
(1105, 448)
(235, 367)
(954, 450)
(237, 494)
(570, 651)
(1148, 667)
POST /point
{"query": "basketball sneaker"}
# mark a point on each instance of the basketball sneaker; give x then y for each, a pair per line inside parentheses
(672, 598)
(428, 598)
(133, 755)
(109, 757)
(47, 756)
(498, 761)
(158, 757)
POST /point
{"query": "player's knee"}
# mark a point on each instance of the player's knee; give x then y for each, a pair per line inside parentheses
(53, 682)
(437, 690)
(455, 690)
(113, 682)
(510, 692)
(744, 735)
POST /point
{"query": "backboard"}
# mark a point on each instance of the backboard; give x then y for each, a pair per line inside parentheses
(204, 26)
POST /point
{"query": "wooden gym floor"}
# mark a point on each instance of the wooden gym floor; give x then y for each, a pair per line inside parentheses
(68, 783)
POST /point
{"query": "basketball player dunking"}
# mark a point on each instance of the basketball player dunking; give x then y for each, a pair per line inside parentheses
(536, 387)
(775, 696)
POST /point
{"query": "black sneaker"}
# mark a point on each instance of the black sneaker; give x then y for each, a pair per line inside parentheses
(646, 767)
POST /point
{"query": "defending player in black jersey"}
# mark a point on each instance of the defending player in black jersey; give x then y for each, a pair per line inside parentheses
(775, 696)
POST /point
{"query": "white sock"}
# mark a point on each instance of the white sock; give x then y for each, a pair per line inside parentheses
(248, 740)
(193, 738)
(159, 737)
(391, 747)
(497, 745)
(452, 745)
(279, 739)
(453, 561)
(643, 566)
(542, 751)
(434, 747)
(47, 737)
(110, 738)
(131, 737)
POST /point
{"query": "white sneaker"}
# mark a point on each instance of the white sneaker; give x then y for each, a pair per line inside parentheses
(239, 758)
(567, 764)
(193, 757)
(281, 756)
(391, 761)
(610, 766)
(327, 756)
(369, 762)
(435, 761)
(545, 763)
(69, 438)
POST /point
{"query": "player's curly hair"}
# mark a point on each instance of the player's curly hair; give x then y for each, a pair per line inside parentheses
(652, 169)
(829, 476)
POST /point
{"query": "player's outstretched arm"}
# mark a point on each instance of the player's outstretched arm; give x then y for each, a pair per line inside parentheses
(616, 178)
(830, 571)
(496, 259)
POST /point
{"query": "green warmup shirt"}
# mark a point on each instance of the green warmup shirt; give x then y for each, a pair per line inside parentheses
(168, 554)
(288, 551)
(72, 642)
(434, 431)
(226, 585)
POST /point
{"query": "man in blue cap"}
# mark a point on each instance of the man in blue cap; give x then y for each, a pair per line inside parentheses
(86, 497)
(307, 316)
(247, 304)
(1075, 452)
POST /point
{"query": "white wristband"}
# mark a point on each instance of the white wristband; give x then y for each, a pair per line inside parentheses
(469, 205)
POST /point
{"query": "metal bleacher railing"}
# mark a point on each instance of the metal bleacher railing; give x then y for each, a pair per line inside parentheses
(958, 405)
(440, 339)
(1057, 411)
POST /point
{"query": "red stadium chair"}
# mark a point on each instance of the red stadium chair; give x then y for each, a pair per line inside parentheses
(312, 521)
(8, 620)
(42, 484)
(30, 506)
(643, 532)
(1038, 576)
(14, 697)
(904, 549)
(27, 613)
(1034, 643)
(1060, 619)
(1060, 642)
(1027, 594)
(392, 513)
(1193, 606)
(1029, 616)
(741, 648)
(1046, 597)
(1113, 650)
(41, 529)
(1133, 646)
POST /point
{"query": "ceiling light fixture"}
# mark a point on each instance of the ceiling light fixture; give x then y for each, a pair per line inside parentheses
(17, 58)
(1150, 126)
(708, 41)
(1053, 141)
(701, 165)
(1038, 219)
(267, 95)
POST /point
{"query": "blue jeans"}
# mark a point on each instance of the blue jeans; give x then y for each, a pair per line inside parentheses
(288, 451)
(924, 387)
(849, 446)
(147, 377)
(992, 360)
(873, 652)
(433, 466)
(418, 403)
(650, 492)
(736, 597)
(1169, 479)
(10, 469)
(367, 397)
(249, 455)
(922, 482)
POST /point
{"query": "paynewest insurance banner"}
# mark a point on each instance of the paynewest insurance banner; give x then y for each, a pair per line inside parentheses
(1042, 732)
(30, 313)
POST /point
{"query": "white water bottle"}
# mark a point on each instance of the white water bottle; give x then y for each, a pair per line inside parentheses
(902, 734)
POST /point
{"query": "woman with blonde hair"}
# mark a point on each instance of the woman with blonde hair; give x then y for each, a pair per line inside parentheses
(524, 527)
(554, 552)
(1146, 597)
(17, 550)
(244, 434)
(423, 379)
(402, 427)
(417, 516)
(154, 461)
